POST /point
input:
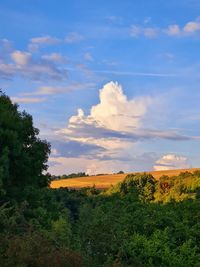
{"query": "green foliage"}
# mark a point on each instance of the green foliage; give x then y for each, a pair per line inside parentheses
(178, 188)
(61, 230)
(140, 185)
(118, 230)
(23, 156)
(35, 250)
(140, 222)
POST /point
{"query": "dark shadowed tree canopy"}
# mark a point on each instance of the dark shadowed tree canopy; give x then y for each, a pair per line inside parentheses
(23, 156)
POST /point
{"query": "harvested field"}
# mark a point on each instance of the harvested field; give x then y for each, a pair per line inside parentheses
(105, 181)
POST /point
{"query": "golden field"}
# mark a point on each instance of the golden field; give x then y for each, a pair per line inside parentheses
(105, 181)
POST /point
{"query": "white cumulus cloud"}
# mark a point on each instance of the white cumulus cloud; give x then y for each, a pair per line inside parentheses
(111, 121)
(170, 162)
(115, 122)
(116, 112)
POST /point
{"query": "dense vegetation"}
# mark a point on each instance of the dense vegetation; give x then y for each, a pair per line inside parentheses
(139, 222)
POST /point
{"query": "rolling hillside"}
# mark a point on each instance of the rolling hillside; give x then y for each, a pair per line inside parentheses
(105, 181)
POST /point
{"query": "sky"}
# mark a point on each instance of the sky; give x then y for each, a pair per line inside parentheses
(112, 85)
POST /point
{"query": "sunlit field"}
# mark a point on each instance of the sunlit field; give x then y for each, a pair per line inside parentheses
(105, 181)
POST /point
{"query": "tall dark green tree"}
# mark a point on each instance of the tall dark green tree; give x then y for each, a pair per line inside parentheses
(23, 155)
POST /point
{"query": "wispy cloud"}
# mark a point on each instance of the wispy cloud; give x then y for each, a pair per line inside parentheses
(173, 30)
(88, 57)
(52, 90)
(132, 73)
(47, 40)
(27, 99)
(44, 92)
(7, 71)
(149, 32)
(55, 58)
(73, 37)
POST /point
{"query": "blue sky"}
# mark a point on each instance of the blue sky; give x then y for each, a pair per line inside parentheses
(113, 85)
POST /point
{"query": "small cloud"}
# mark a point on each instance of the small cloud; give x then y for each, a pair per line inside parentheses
(73, 37)
(21, 58)
(48, 40)
(54, 57)
(135, 31)
(173, 30)
(88, 57)
(110, 62)
(54, 152)
(6, 45)
(147, 20)
(83, 68)
(48, 90)
(150, 32)
(114, 19)
(191, 27)
(170, 162)
(169, 56)
(33, 47)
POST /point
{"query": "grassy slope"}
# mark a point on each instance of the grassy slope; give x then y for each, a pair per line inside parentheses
(105, 181)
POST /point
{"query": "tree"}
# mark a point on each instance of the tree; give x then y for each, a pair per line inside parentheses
(141, 184)
(23, 155)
